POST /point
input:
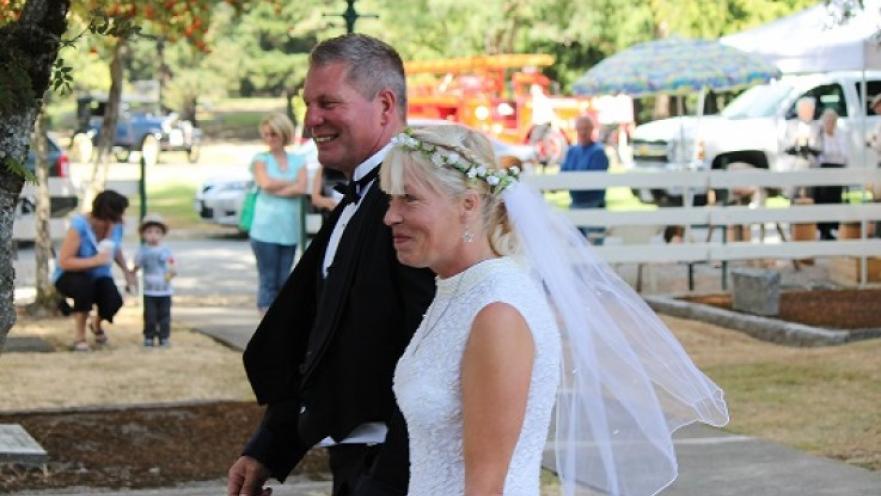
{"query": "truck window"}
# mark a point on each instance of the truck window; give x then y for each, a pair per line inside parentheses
(758, 101)
(872, 89)
(826, 96)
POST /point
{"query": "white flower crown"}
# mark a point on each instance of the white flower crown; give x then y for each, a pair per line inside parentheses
(497, 179)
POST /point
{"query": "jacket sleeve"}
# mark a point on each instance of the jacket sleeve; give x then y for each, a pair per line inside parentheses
(275, 443)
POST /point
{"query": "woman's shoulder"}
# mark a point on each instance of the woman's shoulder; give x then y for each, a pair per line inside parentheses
(296, 159)
(79, 222)
(262, 157)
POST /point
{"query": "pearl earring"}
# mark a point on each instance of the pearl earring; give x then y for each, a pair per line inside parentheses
(467, 236)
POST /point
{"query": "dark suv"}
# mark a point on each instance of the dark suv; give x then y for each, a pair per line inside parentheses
(141, 126)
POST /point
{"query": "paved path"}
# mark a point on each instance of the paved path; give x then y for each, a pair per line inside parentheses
(712, 462)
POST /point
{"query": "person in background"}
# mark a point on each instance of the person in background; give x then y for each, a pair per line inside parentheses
(874, 142)
(801, 140)
(322, 194)
(275, 230)
(83, 270)
(833, 155)
(587, 155)
(159, 268)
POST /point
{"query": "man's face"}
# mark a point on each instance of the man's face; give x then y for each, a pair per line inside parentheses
(805, 111)
(584, 129)
(347, 127)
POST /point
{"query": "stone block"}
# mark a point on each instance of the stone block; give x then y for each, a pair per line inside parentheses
(17, 446)
(756, 291)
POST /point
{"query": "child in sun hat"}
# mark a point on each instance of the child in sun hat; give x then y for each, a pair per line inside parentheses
(157, 261)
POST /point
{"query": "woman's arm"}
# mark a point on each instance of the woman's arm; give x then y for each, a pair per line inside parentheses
(278, 187)
(131, 280)
(318, 199)
(496, 370)
(68, 260)
(297, 188)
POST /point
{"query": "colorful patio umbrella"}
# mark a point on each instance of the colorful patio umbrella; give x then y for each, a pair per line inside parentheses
(675, 66)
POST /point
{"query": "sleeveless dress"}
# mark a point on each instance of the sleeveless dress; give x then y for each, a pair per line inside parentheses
(427, 381)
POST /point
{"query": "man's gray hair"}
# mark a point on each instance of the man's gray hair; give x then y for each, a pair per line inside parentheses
(373, 65)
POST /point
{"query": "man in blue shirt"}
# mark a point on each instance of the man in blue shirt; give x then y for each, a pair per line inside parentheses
(587, 155)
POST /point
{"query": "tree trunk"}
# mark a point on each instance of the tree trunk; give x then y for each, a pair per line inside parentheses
(45, 300)
(662, 107)
(28, 46)
(101, 163)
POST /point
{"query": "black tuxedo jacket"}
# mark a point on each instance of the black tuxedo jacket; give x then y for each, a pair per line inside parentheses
(323, 356)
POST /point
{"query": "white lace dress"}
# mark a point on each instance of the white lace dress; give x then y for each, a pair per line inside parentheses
(427, 380)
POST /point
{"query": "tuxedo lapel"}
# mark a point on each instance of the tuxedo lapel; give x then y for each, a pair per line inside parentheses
(340, 275)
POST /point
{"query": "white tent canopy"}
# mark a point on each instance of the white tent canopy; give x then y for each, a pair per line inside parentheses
(810, 41)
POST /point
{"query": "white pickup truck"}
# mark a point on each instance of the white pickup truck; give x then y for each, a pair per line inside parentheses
(748, 130)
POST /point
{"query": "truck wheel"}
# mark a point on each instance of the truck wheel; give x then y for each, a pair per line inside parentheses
(739, 196)
(150, 149)
(122, 154)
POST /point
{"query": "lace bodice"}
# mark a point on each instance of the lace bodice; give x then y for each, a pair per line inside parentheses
(427, 380)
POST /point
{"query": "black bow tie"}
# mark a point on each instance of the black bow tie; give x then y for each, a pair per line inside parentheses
(353, 190)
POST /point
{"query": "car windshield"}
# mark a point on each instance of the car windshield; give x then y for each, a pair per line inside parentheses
(759, 101)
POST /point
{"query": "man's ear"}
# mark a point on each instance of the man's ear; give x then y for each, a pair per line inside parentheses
(388, 103)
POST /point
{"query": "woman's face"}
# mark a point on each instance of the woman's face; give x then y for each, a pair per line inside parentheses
(426, 226)
(271, 137)
(829, 124)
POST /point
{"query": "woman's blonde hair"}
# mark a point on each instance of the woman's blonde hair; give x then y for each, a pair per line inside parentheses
(401, 163)
(280, 124)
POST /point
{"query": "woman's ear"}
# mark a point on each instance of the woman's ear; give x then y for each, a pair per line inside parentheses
(470, 205)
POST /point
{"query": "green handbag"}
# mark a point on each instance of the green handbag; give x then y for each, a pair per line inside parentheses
(246, 216)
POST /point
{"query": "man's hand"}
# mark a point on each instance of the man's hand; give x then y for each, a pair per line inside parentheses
(246, 478)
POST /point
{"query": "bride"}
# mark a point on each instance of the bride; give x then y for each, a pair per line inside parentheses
(526, 321)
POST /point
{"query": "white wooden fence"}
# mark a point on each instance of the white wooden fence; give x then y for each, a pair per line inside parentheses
(720, 215)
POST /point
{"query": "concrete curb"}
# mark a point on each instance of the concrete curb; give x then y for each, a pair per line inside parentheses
(114, 408)
(764, 328)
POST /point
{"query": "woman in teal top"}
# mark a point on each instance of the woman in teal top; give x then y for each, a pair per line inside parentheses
(83, 272)
(275, 230)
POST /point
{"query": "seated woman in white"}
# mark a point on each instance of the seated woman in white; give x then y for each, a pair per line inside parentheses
(525, 318)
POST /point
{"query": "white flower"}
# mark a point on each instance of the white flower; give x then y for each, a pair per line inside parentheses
(453, 158)
(481, 170)
(492, 180)
(472, 173)
(515, 171)
(427, 147)
(437, 158)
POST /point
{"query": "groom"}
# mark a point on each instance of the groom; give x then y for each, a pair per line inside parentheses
(322, 358)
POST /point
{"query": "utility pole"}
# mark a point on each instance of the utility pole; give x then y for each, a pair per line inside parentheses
(351, 16)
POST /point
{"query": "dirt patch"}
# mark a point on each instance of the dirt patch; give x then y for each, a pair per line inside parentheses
(141, 447)
(121, 373)
(832, 309)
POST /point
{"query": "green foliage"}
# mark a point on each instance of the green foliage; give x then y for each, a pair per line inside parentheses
(18, 169)
(62, 79)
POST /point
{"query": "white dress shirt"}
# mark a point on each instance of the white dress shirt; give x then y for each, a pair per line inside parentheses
(349, 210)
(371, 432)
(834, 149)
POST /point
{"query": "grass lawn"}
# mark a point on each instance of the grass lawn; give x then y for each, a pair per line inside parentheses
(237, 118)
(826, 401)
(174, 201)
